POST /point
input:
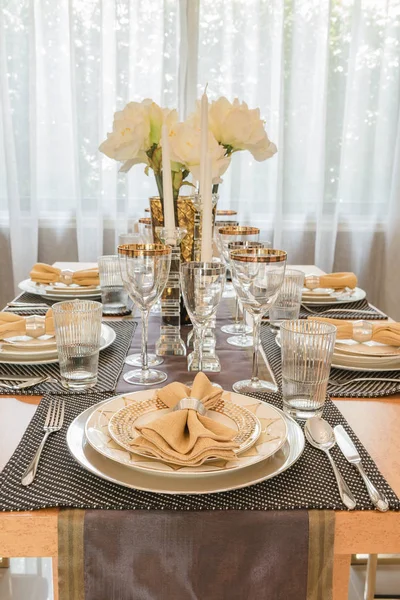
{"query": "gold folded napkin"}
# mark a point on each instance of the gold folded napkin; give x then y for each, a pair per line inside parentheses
(42, 273)
(33, 326)
(365, 331)
(185, 437)
(333, 280)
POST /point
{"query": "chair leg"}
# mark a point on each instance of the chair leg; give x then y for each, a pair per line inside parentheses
(370, 581)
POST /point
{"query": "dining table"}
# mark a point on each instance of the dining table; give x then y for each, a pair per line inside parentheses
(376, 422)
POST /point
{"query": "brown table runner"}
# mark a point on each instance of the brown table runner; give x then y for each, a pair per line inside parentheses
(148, 555)
(235, 362)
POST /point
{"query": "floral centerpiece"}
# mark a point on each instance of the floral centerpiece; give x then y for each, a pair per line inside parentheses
(232, 127)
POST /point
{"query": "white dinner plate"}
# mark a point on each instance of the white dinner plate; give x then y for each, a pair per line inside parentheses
(108, 336)
(310, 299)
(272, 438)
(64, 294)
(125, 476)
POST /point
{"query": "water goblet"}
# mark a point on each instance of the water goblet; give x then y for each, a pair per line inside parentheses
(202, 285)
(257, 274)
(144, 270)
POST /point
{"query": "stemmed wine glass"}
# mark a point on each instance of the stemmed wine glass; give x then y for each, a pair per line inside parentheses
(258, 275)
(144, 270)
(135, 360)
(226, 236)
(202, 285)
(242, 339)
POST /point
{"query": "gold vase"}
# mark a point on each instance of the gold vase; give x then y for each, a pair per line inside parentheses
(188, 217)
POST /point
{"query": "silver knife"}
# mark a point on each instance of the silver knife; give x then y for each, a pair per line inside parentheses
(350, 452)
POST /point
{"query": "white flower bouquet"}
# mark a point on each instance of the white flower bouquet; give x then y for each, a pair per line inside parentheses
(232, 127)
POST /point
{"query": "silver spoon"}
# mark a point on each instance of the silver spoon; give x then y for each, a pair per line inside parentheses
(320, 435)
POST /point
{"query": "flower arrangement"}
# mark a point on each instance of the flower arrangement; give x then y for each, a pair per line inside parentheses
(232, 127)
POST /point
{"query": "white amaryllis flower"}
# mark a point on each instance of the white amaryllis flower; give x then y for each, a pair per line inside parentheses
(185, 143)
(136, 129)
(236, 126)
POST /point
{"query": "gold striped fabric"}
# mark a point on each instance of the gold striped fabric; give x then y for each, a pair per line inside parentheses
(71, 583)
(321, 529)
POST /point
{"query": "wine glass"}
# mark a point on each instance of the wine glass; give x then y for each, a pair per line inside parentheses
(135, 360)
(144, 270)
(226, 236)
(258, 275)
(241, 339)
(202, 285)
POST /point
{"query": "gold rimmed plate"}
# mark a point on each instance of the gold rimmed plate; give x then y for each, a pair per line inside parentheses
(261, 432)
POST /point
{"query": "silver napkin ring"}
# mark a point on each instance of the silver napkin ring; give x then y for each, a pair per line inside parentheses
(362, 331)
(35, 326)
(66, 276)
(191, 404)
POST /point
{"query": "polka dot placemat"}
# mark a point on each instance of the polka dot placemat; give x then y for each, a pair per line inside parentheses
(61, 481)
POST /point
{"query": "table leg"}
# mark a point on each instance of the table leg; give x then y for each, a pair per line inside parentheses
(341, 576)
(55, 577)
(370, 583)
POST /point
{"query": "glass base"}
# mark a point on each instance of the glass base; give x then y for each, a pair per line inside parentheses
(139, 377)
(247, 386)
(210, 364)
(297, 411)
(170, 346)
(241, 341)
(135, 360)
(79, 383)
(236, 328)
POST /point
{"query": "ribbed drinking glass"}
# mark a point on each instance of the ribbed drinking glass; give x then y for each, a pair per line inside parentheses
(113, 293)
(287, 305)
(77, 326)
(144, 270)
(307, 349)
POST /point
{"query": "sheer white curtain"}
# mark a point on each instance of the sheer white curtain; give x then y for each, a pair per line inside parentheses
(325, 74)
(65, 67)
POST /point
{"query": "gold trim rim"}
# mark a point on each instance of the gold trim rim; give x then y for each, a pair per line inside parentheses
(258, 255)
(226, 213)
(145, 220)
(238, 230)
(136, 250)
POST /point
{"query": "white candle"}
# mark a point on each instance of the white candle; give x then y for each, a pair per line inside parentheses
(204, 139)
(206, 197)
(169, 215)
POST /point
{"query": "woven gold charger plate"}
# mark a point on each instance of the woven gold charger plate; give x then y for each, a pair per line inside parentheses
(261, 428)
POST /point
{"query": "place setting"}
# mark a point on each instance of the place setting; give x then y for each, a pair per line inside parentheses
(69, 347)
(336, 295)
(53, 283)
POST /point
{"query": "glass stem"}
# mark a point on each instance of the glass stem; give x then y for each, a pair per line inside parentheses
(201, 333)
(256, 344)
(237, 313)
(243, 325)
(145, 326)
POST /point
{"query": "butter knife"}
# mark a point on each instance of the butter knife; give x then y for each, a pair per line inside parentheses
(350, 452)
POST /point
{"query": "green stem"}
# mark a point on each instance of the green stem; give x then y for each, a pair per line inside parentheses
(158, 177)
(215, 188)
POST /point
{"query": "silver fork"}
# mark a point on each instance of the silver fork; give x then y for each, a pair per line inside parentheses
(54, 421)
(347, 310)
(26, 383)
(342, 382)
